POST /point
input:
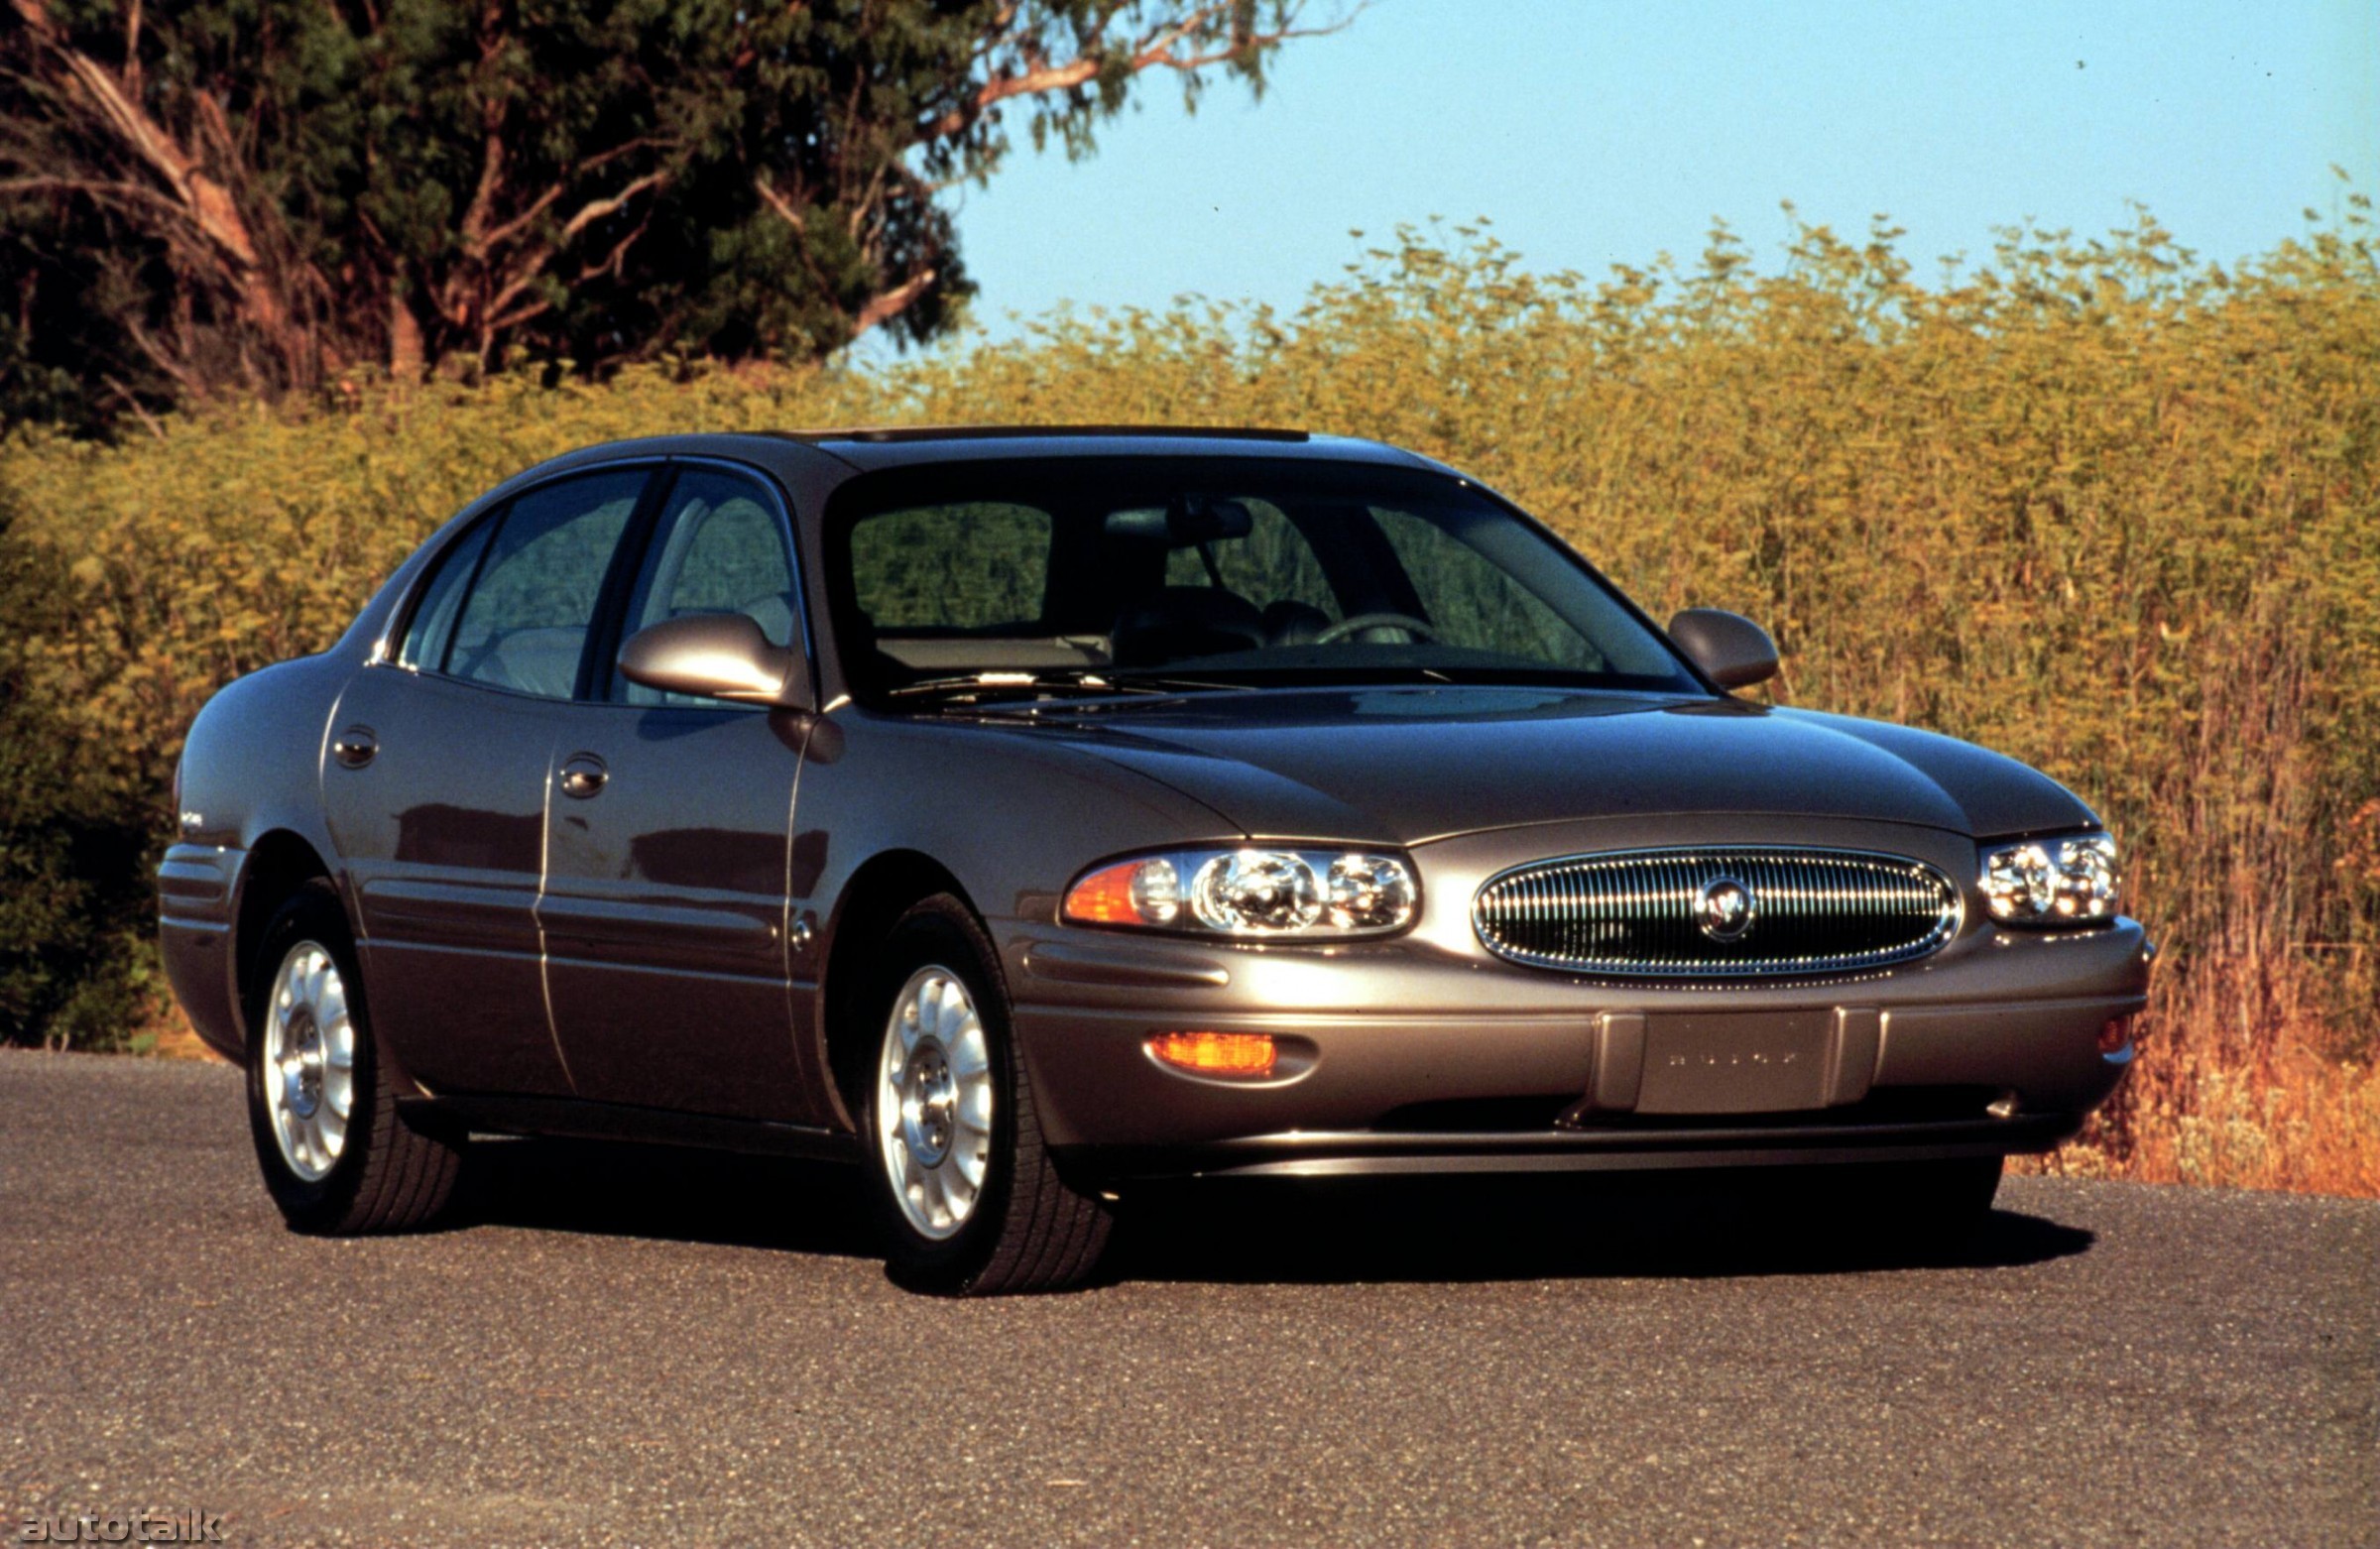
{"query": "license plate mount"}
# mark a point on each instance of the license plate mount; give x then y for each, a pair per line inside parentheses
(1736, 1063)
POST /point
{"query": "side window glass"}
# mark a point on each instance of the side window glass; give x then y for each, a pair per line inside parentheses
(719, 549)
(981, 566)
(1273, 565)
(1474, 602)
(525, 625)
(432, 625)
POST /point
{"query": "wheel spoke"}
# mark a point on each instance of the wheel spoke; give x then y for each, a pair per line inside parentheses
(970, 1055)
(946, 1212)
(331, 1009)
(968, 1156)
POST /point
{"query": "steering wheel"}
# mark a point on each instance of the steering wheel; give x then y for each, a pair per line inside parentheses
(1421, 628)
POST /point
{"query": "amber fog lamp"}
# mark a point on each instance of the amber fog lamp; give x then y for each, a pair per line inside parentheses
(1244, 1055)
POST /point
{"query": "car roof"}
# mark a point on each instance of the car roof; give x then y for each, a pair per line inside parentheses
(904, 446)
(865, 449)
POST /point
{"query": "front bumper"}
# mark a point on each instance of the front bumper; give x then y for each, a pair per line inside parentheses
(1412, 1058)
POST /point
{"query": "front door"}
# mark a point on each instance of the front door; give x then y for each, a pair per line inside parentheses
(666, 910)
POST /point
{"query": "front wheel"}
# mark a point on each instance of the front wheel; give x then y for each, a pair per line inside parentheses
(337, 1158)
(972, 1204)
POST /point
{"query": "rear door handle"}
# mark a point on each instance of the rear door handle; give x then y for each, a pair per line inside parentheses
(355, 746)
(583, 775)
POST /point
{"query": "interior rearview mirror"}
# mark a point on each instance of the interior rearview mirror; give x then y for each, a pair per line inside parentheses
(1191, 519)
(1732, 651)
(718, 655)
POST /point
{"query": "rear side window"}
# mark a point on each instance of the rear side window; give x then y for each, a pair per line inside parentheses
(525, 625)
(981, 566)
(432, 628)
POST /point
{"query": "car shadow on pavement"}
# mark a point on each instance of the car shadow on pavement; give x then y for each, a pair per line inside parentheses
(617, 1189)
(1622, 1226)
(1226, 1231)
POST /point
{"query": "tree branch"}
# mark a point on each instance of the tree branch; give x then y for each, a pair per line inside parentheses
(595, 209)
(1153, 52)
(891, 303)
(785, 210)
(207, 203)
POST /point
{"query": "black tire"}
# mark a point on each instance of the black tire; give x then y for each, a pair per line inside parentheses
(387, 1177)
(1029, 1229)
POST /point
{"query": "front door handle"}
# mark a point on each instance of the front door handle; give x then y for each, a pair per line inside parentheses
(355, 746)
(583, 775)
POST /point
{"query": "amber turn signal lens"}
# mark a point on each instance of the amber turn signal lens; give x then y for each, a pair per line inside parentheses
(1129, 892)
(1216, 1053)
(2114, 1034)
(1105, 898)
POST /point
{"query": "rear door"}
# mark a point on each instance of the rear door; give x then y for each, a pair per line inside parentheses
(665, 908)
(436, 786)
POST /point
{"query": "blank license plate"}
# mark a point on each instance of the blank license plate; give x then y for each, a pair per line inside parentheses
(1735, 1063)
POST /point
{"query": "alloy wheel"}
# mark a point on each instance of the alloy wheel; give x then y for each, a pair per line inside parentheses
(308, 1077)
(934, 1102)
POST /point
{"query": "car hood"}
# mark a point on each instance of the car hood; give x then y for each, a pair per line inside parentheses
(1412, 764)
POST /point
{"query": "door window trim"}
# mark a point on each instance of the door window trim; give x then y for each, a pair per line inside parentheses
(608, 631)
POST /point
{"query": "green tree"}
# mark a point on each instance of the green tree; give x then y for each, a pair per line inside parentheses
(204, 195)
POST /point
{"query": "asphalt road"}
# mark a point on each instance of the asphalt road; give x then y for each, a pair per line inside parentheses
(622, 1344)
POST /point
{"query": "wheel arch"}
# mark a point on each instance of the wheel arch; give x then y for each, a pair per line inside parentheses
(279, 862)
(884, 888)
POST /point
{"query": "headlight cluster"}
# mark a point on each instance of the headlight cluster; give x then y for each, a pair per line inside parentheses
(1254, 891)
(2053, 882)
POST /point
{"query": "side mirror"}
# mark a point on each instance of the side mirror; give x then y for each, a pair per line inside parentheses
(1732, 651)
(718, 655)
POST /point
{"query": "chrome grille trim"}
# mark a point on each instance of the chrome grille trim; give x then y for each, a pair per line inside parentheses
(1632, 913)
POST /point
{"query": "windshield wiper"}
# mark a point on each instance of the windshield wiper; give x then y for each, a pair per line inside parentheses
(1028, 684)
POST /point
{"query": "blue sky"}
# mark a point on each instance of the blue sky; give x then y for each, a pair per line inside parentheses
(1593, 132)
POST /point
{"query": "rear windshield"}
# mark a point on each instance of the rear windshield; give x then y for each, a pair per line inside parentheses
(1224, 570)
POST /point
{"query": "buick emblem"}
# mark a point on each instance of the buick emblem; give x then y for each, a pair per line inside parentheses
(1726, 908)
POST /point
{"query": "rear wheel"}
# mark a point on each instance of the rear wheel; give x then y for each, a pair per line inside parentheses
(336, 1157)
(971, 1202)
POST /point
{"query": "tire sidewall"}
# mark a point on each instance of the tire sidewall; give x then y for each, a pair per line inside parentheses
(939, 933)
(314, 915)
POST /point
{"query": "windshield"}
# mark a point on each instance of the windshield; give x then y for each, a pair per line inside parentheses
(1103, 574)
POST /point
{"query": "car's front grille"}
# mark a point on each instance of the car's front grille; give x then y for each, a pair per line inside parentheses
(1723, 913)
